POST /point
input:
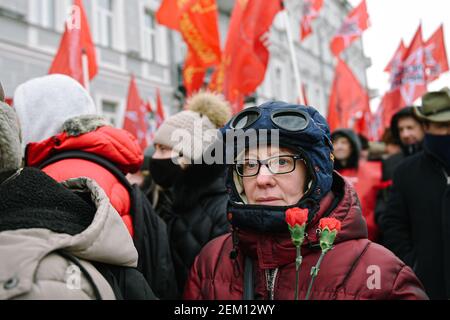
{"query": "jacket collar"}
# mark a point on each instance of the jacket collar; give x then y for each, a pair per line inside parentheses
(275, 250)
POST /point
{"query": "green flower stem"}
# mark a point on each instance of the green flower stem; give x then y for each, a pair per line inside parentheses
(298, 262)
(297, 237)
(314, 273)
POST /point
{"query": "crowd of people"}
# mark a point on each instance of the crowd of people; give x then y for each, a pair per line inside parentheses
(85, 213)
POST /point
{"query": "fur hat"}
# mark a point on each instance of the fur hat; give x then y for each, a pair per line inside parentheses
(190, 132)
(44, 104)
(10, 149)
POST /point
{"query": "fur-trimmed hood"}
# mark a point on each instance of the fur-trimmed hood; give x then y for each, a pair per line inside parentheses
(10, 150)
(44, 104)
(77, 126)
(92, 134)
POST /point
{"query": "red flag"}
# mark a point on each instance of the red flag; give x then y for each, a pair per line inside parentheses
(396, 61)
(149, 107)
(311, 10)
(245, 58)
(197, 21)
(168, 14)
(390, 104)
(348, 101)
(412, 82)
(408, 78)
(193, 74)
(160, 115)
(136, 121)
(436, 55)
(76, 40)
(352, 28)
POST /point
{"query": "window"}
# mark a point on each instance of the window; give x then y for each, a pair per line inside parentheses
(105, 16)
(109, 111)
(46, 13)
(149, 30)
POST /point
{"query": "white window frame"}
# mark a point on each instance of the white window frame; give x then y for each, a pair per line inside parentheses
(117, 27)
(61, 14)
(39, 13)
(148, 36)
(119, 117)
(104, 35)
(160, 33)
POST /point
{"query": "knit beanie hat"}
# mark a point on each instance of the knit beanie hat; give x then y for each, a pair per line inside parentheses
(10, 150)
(190, 132)
(44, 104)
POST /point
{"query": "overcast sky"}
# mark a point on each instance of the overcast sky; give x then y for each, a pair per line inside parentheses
(393, 20)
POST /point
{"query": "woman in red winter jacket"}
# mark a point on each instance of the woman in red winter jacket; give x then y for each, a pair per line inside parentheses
(291, 165)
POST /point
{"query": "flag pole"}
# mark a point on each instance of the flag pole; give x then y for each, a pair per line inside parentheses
(298, 81)
(85, 66)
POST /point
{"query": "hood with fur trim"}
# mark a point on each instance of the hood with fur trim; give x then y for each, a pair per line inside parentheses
(90, 134)
(44, 104)
(10, 149)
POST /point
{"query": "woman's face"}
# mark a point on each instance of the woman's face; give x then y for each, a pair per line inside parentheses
(271, 189)
(342, 148)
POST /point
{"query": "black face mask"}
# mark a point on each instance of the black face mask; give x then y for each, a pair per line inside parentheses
(439, 146)
(164, 172)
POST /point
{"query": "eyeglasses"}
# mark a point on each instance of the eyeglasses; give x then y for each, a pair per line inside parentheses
(276, 165)
(287, 119)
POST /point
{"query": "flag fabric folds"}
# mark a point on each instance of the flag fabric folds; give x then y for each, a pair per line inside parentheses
(168, 14)
(352, 28)
(197, 21)
(436, 55)
(311, 10)
(160, 114)
(349, 101)
(136, 115)
(396, 62)
(408, 76)
(246, 56)
(75, 42)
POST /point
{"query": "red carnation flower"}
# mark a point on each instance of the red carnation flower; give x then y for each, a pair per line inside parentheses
(330, 223)
(296, 216)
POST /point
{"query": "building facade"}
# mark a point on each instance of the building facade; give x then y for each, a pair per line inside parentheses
(129, 41)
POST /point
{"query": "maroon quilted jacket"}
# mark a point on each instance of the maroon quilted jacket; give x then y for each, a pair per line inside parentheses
(355, 269)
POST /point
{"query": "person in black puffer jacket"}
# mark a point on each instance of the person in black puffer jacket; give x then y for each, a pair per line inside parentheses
(197, 213)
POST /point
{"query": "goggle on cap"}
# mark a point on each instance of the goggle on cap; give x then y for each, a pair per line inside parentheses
(299, 128)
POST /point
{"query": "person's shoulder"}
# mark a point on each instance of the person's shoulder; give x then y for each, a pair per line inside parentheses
(393, 160)
(376, 258)
(218, 243)
(409, 163)
(378, 252)
(216, 248)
